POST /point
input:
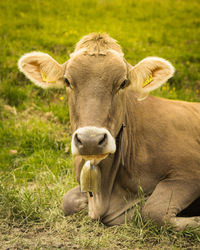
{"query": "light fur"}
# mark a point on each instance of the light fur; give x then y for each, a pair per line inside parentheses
(33, 64)
(98, 44)
(160, 69)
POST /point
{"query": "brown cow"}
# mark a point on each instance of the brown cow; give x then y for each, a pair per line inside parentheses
(134, 139)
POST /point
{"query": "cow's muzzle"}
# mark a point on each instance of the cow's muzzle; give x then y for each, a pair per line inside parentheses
(92, 142)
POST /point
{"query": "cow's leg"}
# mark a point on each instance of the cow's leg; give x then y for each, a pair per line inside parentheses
(74, 201)
(125, 214)
(169, 198)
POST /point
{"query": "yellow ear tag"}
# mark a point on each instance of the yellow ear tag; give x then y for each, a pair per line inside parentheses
(44, 78)
(148, 80)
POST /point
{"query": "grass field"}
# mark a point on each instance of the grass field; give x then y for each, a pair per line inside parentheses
(36, 167)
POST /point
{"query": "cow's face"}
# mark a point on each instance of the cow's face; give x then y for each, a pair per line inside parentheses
(96, 86)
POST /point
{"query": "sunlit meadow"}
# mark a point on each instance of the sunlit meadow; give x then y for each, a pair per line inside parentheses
(36, 167)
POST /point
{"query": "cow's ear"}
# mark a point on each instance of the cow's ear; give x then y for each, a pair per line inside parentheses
(150, 74)
(42, 70)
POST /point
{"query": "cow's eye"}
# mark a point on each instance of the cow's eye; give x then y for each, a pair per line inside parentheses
(123, 85)
(67, 82)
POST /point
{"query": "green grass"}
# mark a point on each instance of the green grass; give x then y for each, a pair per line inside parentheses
(36, 167)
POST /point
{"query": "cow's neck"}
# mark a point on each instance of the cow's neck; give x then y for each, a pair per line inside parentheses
(99, 203)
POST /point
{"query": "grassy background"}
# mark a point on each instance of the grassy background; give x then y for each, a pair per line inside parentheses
(35, 163)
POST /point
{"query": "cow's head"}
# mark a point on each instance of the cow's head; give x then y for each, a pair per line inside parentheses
(96, 78)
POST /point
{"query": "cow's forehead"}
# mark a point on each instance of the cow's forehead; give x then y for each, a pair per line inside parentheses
(82, 65)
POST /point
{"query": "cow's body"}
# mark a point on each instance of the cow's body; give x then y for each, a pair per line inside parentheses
(161, 144)
(157, 150)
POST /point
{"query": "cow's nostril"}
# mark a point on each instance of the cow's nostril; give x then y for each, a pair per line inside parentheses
(103, 140)
(78, 140)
